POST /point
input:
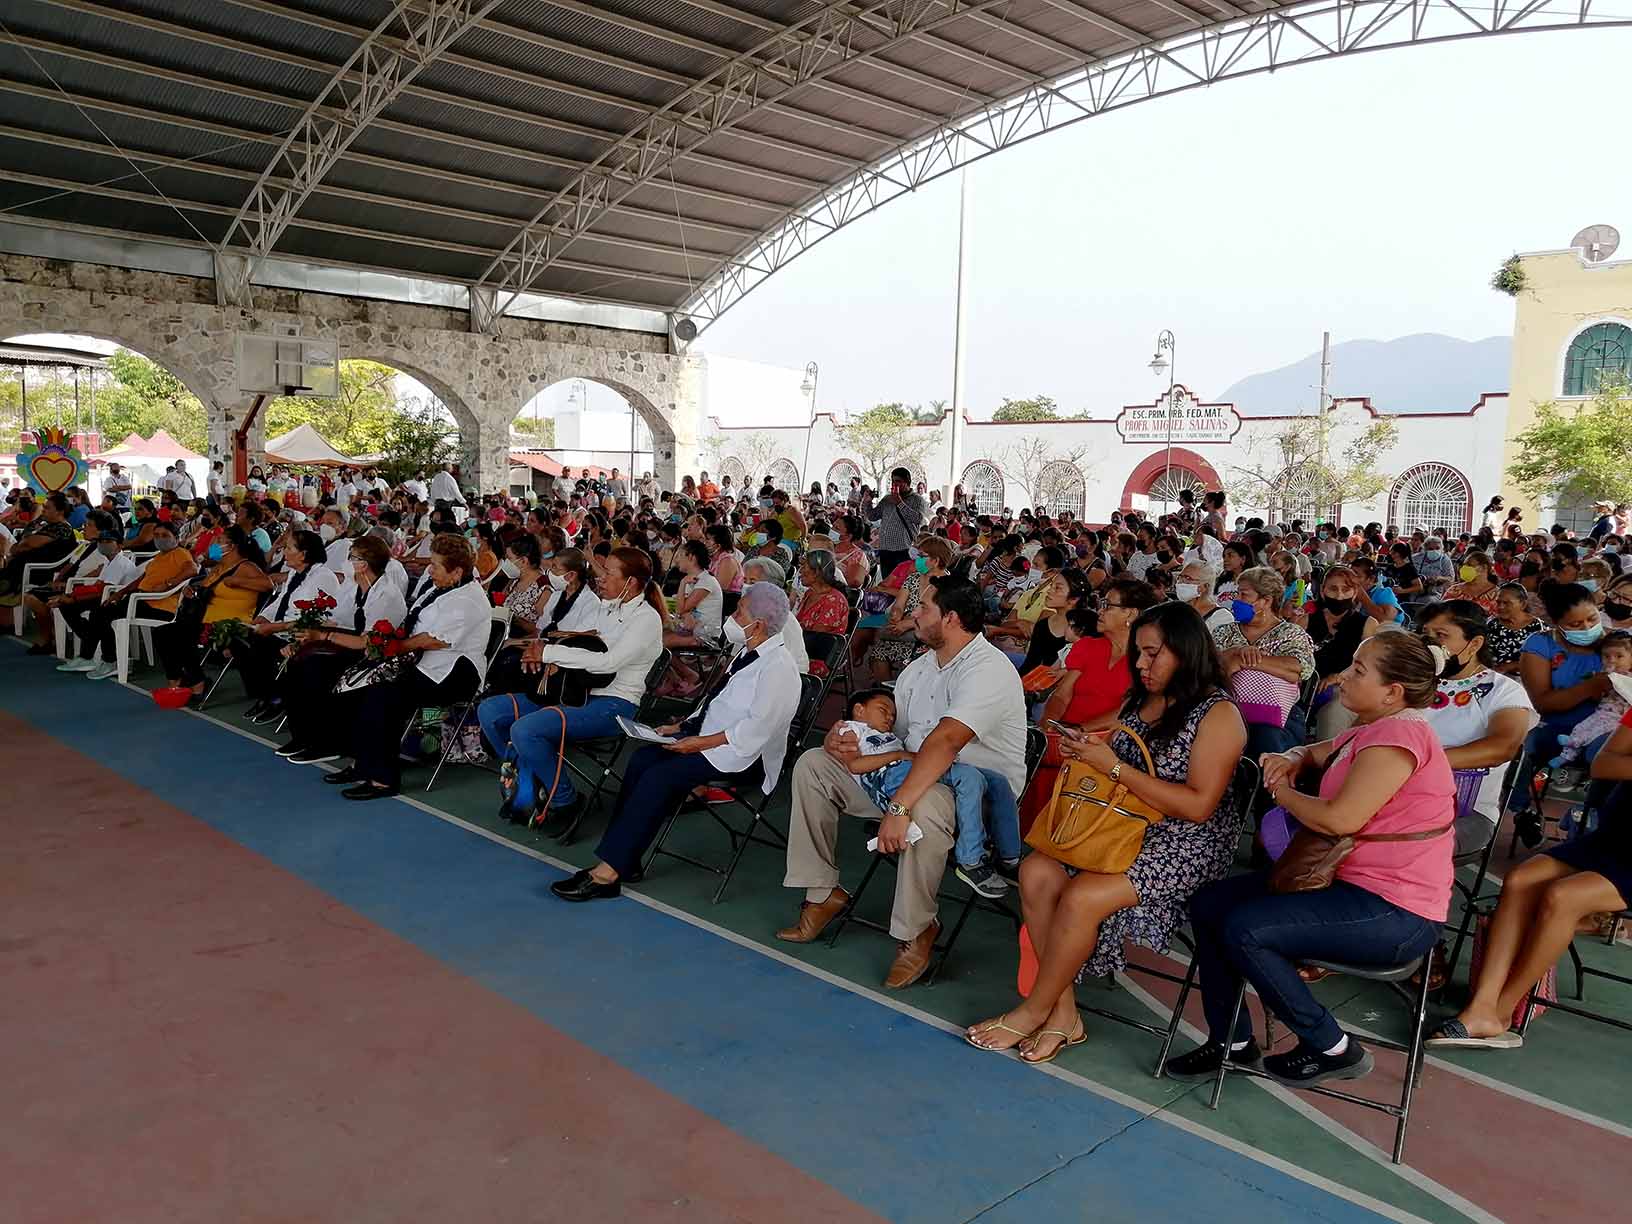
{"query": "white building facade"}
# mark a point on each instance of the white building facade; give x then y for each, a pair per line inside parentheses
(1440, 470)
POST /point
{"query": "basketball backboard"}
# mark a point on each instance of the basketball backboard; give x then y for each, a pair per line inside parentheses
(288, 365)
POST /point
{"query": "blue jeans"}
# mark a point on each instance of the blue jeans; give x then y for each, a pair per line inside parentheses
(1243, 930)
(979, 797)
(521, 730)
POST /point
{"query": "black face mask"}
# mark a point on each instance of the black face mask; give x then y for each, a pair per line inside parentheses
(1617, 611)
(1337, 607)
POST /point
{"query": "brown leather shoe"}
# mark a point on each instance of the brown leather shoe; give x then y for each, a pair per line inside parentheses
(814, 917)
(913, 958)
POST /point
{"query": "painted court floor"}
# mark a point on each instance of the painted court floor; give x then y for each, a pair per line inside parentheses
(228, 995)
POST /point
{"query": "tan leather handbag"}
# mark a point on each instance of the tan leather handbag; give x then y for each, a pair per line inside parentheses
(1092, 823)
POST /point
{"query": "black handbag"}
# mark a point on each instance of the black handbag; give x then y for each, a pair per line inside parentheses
(571, 686)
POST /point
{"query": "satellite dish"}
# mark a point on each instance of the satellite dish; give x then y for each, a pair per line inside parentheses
(686, 330)
(1597, 242)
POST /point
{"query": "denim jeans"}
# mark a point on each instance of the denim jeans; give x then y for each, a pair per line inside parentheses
(1244, 930)
(520, 729)
(981, 798)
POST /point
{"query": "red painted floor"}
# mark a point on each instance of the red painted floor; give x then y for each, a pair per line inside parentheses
(190, 1033)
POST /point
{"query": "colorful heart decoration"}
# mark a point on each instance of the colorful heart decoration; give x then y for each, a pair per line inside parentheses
(51, 464)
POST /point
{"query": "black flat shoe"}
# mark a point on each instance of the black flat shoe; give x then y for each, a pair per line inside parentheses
(270, 714)
(255, 710)
(1201, 1063)
(367, 790)
(343, 777)
(585, 887)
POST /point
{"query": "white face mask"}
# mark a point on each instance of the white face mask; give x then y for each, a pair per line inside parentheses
(734, 632)
(1186, 590)
(328, 533)
(509, 568)
(557, 583)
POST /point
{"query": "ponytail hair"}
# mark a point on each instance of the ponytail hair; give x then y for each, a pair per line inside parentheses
(636, 563)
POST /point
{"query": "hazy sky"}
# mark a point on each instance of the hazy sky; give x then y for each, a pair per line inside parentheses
(1372, 195)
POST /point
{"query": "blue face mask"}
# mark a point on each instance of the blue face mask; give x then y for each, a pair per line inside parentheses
(1583, 637)
(215, 551)
(1590, 583)
(921, 565)
(1241, 610)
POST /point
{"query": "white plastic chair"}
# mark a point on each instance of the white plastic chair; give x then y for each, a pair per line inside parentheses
(123, 626)
(44, 569)
(60, 623)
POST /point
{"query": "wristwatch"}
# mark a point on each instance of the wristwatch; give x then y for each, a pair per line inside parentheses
(1116, 772)
(895, 809)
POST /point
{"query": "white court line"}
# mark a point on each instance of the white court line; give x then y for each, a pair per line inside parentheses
(1145, 1108)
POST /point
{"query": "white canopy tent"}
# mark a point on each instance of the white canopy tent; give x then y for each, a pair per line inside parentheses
(304, 446)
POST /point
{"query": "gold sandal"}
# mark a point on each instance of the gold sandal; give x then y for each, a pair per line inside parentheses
(1066, 1042)
(987, 1026)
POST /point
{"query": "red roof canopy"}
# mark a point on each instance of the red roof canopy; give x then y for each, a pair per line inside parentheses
(550, 467)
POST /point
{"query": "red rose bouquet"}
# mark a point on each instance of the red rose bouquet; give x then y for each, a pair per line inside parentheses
(385, 641)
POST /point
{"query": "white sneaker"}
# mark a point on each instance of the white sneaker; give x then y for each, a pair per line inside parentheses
(76, 665)
(102, 671)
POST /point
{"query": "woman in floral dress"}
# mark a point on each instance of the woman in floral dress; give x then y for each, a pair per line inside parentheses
(1079, 920)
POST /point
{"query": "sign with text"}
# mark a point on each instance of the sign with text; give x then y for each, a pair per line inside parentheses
(1192, 422)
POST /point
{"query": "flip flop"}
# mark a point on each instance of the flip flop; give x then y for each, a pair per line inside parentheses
(1454, 1035)
(988, 1026)
(1065, 1044)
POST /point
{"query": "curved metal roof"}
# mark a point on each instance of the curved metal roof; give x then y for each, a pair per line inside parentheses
(659, 153)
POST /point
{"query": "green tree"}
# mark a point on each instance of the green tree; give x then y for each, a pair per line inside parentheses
(419, 437)
(1038, 408)
(1585, 445)
(884, 437)
(1299, 456)
(538, 433)
(142, 397)
(357, 422)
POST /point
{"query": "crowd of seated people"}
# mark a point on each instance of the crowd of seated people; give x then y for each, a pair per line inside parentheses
(1375, 676)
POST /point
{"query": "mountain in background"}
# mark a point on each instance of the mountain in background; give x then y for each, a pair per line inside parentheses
(1422, 373)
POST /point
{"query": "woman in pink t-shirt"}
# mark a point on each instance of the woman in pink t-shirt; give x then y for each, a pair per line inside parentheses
(1385, 776)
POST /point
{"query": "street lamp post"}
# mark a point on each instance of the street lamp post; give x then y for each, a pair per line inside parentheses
(1166, 358)
(808, 386)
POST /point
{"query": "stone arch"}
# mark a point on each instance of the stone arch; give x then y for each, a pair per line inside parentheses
(1144, 477)
(666, 441)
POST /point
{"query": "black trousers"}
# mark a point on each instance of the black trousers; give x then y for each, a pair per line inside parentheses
(374, 718)
(93, 625)
(257, 658)
(177, 643)
(307, 689)
(654, 784)
(887, 561)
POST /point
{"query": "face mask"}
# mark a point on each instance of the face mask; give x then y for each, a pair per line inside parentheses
(1590, 583)
(509, 568)
(734, 633)
(757, 539)
(214, 552)
(921, 565)
(1320, 535)
(1617, 611)
(1241, 610)
(327, 532)
(108, 548)
(1187, 591)
(164, 545)
(1431, 554)
(1467, 573)
(557, 583)
(1583, 637)
(1337, 607)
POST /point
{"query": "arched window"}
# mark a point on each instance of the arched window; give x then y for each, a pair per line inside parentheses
(841, 473)
(1604, 349)
(1060, 486)
(733, 468)
(783, 475)
(1298, 493)
(983, 482)
(1433, 496)
(1165, 489)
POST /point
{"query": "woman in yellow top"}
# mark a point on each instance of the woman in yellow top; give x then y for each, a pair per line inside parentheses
(171, 565)
(231, 590)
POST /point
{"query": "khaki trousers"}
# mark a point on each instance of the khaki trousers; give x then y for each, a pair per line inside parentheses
(823, 789)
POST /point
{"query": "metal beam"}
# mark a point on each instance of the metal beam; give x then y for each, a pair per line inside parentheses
(320, 139)
(1225, 49)
(807, 51)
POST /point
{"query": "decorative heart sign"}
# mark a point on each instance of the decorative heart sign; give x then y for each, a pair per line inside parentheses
(51, 464)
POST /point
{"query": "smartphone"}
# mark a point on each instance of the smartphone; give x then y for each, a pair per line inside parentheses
(1053, 724)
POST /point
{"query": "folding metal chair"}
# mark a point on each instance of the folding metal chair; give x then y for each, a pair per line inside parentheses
(1036, 745)
(602, 753)
(831, 650)
(498, 632)
(1469, 782)
(754, 803)
(1582, 972)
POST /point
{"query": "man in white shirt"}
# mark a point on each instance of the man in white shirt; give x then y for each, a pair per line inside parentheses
(445, 488)
(218, 480)
(739, 734)
(182, 483)
(117, 486)
(960, 700)
(417, 487)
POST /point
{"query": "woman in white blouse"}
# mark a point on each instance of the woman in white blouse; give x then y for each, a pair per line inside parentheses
(1480, 716)
(258, 654)
(740, 733)
(448, 624)
(530, 738)
(322, 656)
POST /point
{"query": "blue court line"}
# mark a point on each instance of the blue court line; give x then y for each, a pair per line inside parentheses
(901, 1117)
